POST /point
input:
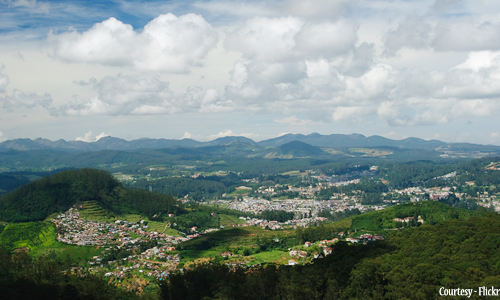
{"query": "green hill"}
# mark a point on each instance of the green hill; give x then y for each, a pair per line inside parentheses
(430, 211)
(299, 149)
(38, 199)
(408, 264)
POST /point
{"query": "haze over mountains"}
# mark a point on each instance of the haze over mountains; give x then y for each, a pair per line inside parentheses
(314, 139)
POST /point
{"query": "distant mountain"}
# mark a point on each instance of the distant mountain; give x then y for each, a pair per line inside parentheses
(298, 149)
(352, 140)
(314, 139)
(227, 140)
(105, 143)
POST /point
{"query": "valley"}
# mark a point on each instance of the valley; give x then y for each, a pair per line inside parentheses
(137, 226)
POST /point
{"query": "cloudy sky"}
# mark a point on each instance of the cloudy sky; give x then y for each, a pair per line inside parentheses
(80, 70)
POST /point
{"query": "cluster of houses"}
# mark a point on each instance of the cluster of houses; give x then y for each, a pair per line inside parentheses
(365, 238)
(147, 268)
(82, 232)
(160, 253)
(77, 231)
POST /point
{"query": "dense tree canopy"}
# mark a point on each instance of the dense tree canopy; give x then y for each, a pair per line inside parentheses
(38, 199)
(409, 264)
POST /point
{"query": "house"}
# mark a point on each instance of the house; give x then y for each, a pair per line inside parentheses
(292, 262)
(226, 254)
(307, 244)
(406, 220)
(327, 250)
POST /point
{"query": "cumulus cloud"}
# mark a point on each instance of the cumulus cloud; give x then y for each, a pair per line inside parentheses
(316, 9)
(466, 34)
(413, 32)
(295, 65)
(19, 99)
(468, 90)
(129, 95)
(282, 39)
(88, 137)
(168, 43)
(265, 39)
(326, 39)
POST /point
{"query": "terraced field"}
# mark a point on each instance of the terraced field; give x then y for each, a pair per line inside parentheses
(33, 235)
(91, 210)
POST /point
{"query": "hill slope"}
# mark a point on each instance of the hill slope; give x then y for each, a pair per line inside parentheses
(40, 198)
(299, 149)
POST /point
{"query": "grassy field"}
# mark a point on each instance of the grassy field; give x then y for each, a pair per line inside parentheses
(230, 220)
(79, 254)
(371, 152)
(292, 173)
(269, 256)
(194, 254)
(33, 235)
(239, 192)
(346, 223)
(40, 237)
(232, 238)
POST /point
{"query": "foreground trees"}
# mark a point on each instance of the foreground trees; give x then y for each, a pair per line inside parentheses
(411, 264)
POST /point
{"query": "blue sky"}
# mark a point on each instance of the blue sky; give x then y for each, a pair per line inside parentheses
(206, 69)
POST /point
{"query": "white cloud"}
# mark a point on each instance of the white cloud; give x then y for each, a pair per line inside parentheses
(19, 99)
(316, 9)
(414, 32)
(2, 137)
(88, 137)
(443, 34)
(449, 35)
(285, 38)
(167, 43)
(101, 135)
(188, 135)
(326, 39)
(265, 39)
(130, 95)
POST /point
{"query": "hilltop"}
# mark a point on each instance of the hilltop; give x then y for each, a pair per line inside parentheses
(40, 198)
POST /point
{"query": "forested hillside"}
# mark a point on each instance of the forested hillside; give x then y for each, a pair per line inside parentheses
(38, 199)
(411, 263)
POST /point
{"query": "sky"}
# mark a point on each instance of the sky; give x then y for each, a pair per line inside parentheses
(81, 70)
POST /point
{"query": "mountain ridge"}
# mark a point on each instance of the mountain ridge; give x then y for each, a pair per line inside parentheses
(313, 139)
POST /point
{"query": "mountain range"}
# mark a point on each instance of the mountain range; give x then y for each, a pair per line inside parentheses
(314, 139)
